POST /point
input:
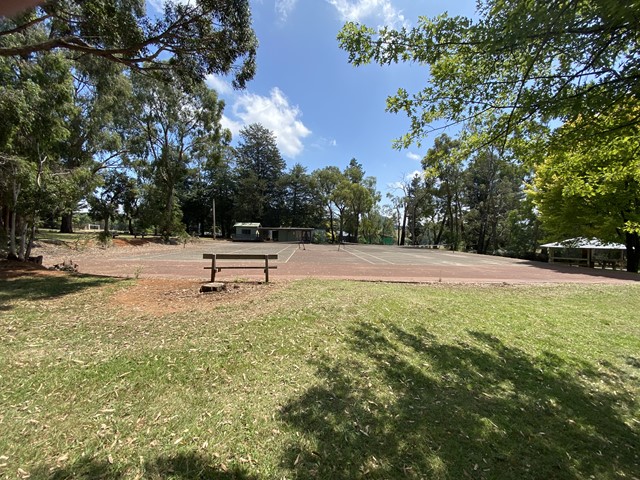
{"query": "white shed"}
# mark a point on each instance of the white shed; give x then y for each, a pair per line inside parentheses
(245, 232)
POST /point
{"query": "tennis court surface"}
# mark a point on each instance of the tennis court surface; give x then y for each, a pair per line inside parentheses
(356, 262)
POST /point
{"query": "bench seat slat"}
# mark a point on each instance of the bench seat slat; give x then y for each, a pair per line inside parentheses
(234, 267)
(240, 256)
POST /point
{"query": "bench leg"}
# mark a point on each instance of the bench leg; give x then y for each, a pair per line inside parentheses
(266, 269)
(213, 269)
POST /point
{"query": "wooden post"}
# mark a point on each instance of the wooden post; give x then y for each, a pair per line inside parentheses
(213, 232)
(213, 269)
(266, 268)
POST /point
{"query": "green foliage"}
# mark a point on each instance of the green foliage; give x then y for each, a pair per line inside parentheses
(493, 189)
(110, 196)
(519, 62)
(259, 167)
(199, 38)
(592, 187)
(443, 166)
(173, 130)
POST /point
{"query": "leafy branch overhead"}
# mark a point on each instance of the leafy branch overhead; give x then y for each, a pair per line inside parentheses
(193, 39)
(520, 61)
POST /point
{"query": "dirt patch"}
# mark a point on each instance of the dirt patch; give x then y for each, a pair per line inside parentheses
(14, 269)
(132, 242)
(156, 296)
(160, 296)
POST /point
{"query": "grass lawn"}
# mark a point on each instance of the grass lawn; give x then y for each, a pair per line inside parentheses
(328, 380)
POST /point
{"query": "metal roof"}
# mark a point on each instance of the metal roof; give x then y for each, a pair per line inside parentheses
(247, 225)
(581, 242)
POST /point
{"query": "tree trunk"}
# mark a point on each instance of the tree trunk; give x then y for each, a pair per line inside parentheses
(333, 233)
(357, 226)
(13, 254)
(66, 224)
(404, 227)
(32, 235)
(23, 242)
(632, 241)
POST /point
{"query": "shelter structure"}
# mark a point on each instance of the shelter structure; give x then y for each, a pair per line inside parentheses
(286, 234)
(246, 232)
(587, 251)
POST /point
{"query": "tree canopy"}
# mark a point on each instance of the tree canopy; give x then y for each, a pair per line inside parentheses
(519, 62)
(591, 186)
(191, 38)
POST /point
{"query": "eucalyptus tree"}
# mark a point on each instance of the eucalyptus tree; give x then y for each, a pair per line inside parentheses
(190, 39)
(443, 167)
(223, 185)
(171, 130)
(326, 181)
(493, 188)
(517, 62)
(35, 103)
(302, 207)
(97, 130)
(110, 197)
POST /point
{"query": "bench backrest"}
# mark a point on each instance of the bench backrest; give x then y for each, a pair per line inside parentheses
(240, 256)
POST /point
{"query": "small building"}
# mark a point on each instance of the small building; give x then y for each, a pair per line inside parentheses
(286, 234)
(246, 232)
(587, 251)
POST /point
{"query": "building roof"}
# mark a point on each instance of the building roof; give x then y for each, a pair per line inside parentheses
(292, 229)
(246, 225)
(581, 242)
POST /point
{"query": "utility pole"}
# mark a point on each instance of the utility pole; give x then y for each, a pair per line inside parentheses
(213, 232)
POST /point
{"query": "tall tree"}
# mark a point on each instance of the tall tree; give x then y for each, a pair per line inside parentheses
(443, 165)
(172, 129)
(197, 38)
(493, 189)
(259, 167)
(519, 61)
(96, 130)
(35, 103)
(326, 180)
(224, 190)
(302, 207)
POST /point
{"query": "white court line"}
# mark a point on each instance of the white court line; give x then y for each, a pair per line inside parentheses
(358, 256)
(377, 258)
(293, 251)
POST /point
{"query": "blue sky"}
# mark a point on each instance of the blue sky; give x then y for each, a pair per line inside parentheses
(323, 110)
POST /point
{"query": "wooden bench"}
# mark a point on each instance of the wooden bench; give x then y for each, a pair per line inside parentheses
(216, 267)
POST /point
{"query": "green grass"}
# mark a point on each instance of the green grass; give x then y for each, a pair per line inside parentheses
(331, 380)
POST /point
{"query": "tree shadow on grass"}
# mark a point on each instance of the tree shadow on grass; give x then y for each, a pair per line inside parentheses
(46, 287)
(182, 466)
(407, 406)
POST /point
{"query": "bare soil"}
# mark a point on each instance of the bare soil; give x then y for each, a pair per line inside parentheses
(146, 295)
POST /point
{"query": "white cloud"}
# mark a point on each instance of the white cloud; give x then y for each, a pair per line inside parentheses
(284, 8)
(272, 112)
(323, 143)
(218, 84)
(358, 10)
(414, 156)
